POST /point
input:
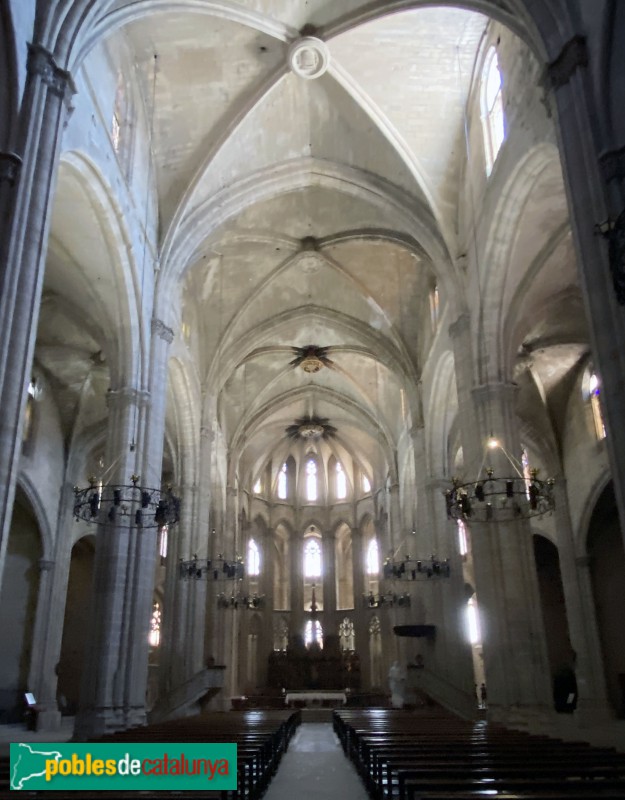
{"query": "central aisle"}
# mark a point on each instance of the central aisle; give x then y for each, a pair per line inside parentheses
(315, 768)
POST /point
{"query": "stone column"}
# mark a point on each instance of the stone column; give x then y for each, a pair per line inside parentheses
(50, 619)
(116, 668)
(232, 632)
(23, 244)
(361, 615)
(182, 642)
(104, 704)
(40, 682)
(587, 180)
(447, 599)
(515, 653)
(328, 556)
(266, 588)
(297, 584)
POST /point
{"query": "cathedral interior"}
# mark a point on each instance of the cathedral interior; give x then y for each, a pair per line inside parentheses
(312, 357)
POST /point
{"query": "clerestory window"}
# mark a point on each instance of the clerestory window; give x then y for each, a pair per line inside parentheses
(493, 119)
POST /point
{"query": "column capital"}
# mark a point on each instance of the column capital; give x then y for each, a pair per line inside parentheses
(41, 62)
(162, 331)
(10, 168)
(460, 327)
(126, 396)
(573, 55)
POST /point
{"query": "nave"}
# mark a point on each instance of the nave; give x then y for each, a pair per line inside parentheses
(384, 754)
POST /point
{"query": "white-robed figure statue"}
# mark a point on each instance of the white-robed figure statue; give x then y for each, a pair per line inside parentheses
(397, 684)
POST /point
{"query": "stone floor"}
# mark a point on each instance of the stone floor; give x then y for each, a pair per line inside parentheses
(19, 733)
(315, 768)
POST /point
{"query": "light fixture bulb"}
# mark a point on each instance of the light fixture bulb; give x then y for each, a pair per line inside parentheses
(493, 443)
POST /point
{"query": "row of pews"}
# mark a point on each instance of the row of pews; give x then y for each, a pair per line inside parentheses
(262, 738)
(432, 755)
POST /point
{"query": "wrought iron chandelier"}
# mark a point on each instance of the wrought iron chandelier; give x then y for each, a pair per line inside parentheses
(406, 569)
(223, 569)
(413, 569)
(500, 498)
(128, 505)
(389, 599)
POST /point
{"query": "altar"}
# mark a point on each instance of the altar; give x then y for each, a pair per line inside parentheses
(312, 698)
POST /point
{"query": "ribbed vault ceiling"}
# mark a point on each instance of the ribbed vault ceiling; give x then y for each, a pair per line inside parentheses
(301, 212)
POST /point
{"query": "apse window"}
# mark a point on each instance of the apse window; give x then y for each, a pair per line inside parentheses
(313, 632)
(527, 475)
(493, 120)
(341, 483)
(347, 635)
(253, 558)
(119, 110)
(434, 308)
(257, 488)
(154, 637)
(162, 542)
(29, 412)
(312, 559)
(282, 484)
(594, 392)
(473, 622)
(463, 545)
(311, 480)
(373, 558)
(366, 484)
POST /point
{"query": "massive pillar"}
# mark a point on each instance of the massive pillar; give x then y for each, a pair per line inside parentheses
(114, 684)
(515, 655)
(23, 245)
(329, 582)
(596, 193)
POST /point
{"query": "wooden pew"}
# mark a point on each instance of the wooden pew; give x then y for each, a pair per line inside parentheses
(435, 755)
(262, 737)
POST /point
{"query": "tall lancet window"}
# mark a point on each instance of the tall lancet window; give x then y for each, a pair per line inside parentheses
(312, 559)
(253, 558)
(373, 558)
(341, 482)
(311, 479)
(313, 632)
(282, 484)
(119, 114)
(493, 120)
(155, 626)
(594, 390)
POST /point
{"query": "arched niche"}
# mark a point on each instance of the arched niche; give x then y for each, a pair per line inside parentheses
(18, 601)
(76, 624)
(607, 566)
(559, 650)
